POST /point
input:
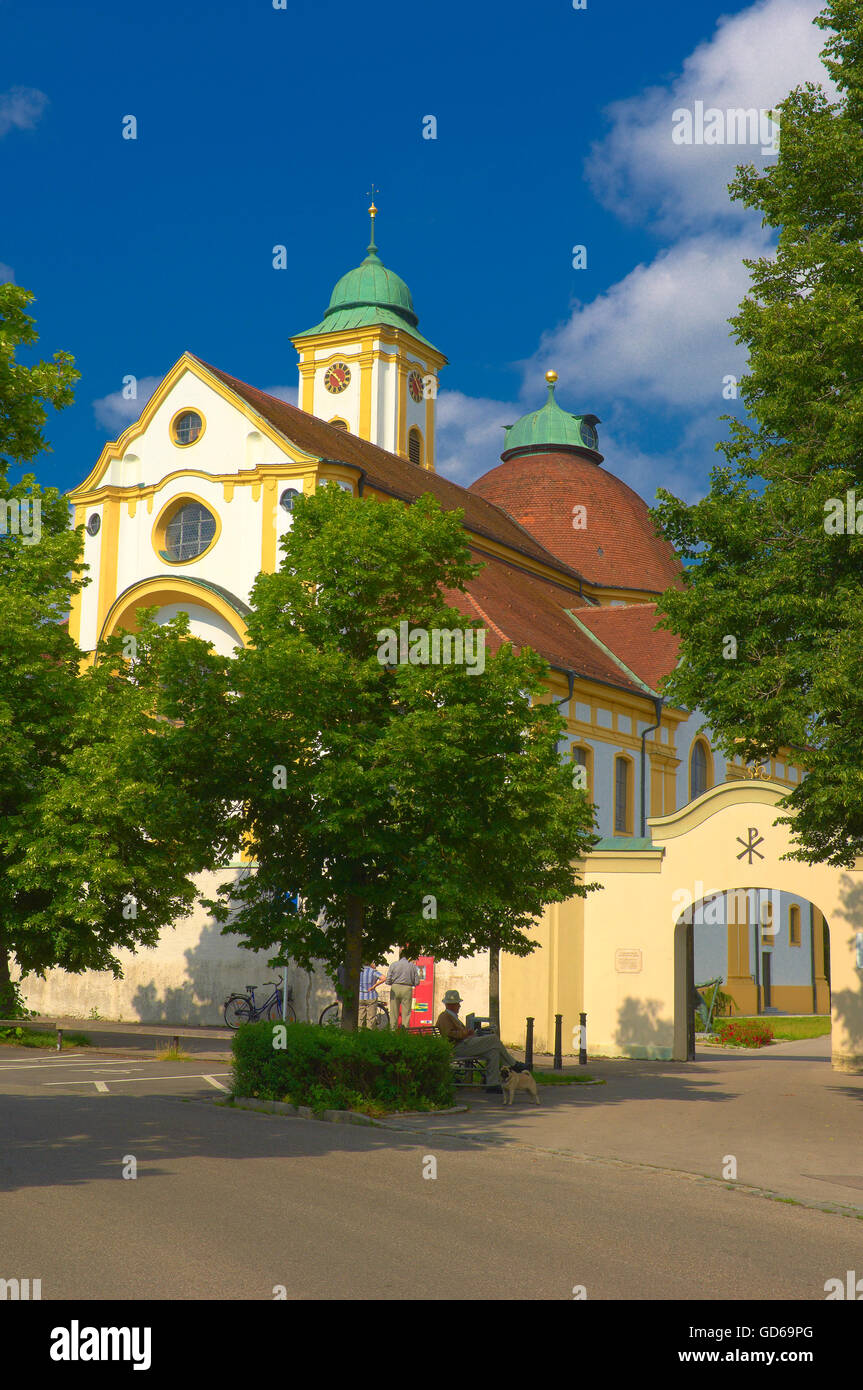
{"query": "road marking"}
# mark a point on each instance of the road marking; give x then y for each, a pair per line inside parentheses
(187, 1076)
(213, 1082)
(100, 1086)
(71, 1065)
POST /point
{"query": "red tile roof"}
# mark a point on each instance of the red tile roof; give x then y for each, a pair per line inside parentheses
(619, 547)
(631, 633)
(530, 612)
(389, 472)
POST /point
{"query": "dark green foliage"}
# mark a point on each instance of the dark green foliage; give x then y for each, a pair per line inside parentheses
(764, 569)
(327, 1068)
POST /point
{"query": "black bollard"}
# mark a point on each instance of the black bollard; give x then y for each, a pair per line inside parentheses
(558, 1050)
(582, 1042)
(528, 1044)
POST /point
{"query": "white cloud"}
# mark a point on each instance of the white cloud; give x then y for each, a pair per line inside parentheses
(469, 434)
(753, 60)
(660, 336)
(21, 108)
(7, 274)
(115, 412)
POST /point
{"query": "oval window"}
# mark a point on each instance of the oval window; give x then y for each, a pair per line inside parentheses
(187, 427)
(288, 498)
(93, 524)
(189, 532)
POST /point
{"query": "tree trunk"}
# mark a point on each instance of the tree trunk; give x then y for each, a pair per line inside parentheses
(494, 986)
(7, 993)
(353, 964)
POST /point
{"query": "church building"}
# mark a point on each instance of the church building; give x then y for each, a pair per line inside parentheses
(184, 509)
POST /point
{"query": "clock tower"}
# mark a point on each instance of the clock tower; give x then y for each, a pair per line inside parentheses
(367, 368)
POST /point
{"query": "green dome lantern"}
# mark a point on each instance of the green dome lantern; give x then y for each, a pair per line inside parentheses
(551, 430)
(369, 295)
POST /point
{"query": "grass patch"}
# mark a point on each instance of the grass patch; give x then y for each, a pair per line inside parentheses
(794, 1029)
(542, 1078)
(42, 1038)
(172, 1054)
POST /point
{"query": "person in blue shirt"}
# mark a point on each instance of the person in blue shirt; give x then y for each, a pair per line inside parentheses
(370, 978)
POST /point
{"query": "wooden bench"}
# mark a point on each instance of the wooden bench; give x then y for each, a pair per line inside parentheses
(464, 1069)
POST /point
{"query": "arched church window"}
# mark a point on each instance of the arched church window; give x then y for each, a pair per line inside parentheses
(582, 768)
(622, 796)
(340, 424)
(415, 446)
(288, 497)
(794, 925)
(189, 532)
(698, 770)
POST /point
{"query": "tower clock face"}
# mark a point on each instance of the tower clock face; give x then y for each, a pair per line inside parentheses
(415, 386)
(337, 377)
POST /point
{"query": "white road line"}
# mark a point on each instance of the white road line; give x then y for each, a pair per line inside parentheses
(213, 1082)
(188, 1076)
(70, 1065)
(100, 1085)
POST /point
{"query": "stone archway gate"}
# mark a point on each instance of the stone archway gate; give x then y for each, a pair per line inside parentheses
(634, 967)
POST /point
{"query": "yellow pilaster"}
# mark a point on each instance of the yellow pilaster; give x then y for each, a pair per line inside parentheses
(108, 556)
(307, 374)
(366, 368)
(401, 409)
(429, 458)
(268, 527)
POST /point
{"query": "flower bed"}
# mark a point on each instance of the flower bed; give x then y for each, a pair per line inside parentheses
(743, 1032)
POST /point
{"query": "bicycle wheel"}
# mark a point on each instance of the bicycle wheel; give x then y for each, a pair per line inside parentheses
(331, 1016)
(382, 1016)
(238, 1009)
(274, 1014)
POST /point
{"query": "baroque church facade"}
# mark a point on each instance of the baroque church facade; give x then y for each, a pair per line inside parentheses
(184, 509)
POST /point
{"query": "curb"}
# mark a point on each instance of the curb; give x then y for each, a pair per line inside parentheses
(334, 1117)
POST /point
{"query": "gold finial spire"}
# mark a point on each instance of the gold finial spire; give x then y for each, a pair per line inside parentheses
(373, 212)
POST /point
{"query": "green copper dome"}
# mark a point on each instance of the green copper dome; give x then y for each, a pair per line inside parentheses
(369, 295)
(551, 428)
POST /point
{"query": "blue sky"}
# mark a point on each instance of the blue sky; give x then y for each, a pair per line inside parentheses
(259, 126)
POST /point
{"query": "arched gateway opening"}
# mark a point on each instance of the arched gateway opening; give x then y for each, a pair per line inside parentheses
(640, 953)
(766, 950)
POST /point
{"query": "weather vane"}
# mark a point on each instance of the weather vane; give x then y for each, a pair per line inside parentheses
(371, 194)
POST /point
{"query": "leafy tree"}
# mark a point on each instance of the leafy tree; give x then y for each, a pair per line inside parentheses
(768, 565)
(392, 802)
(108, 782)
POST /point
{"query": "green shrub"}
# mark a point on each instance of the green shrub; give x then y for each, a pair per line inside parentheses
(331, 1070)
(744, 1032)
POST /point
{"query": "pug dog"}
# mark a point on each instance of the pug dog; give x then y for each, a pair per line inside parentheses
(513, 1081)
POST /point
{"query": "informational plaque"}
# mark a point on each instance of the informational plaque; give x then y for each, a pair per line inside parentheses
(627, 962)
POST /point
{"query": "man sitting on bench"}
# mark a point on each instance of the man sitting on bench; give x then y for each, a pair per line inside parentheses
(467, 1043)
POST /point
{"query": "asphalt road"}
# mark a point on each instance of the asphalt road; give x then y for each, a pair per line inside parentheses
(230, 1204)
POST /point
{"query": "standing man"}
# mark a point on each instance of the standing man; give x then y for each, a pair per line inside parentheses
(468, 1043)
(402, 978)
(370, 978)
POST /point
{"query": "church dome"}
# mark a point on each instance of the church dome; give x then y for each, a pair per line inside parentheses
(552, 428)
(371, 285)
(367, 296)
(552, 485)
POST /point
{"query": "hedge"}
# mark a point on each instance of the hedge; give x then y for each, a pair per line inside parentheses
(328, 1069)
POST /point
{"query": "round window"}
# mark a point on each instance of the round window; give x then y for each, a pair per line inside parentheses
(187, 427)
(93, 524)
(189, 532)
(288, 498)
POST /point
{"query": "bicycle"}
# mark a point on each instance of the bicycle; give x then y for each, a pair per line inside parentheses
(241, 1008)
(331, 1017)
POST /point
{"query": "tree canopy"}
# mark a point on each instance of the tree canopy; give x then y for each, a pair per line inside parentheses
(770, 613)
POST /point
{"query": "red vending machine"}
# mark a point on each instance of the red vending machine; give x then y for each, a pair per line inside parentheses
(423, 1000)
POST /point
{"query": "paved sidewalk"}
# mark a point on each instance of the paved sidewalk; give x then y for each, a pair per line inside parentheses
(793, 1124)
